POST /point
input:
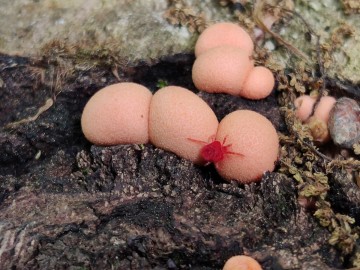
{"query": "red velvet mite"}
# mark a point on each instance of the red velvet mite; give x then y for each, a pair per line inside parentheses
(215, 151)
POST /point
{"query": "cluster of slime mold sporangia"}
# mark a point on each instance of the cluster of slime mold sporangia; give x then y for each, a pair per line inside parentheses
(224, 64)
(316, 117)
(242, 146)
(241, 262)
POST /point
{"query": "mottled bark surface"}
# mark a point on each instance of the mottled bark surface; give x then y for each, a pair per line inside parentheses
(66, 204)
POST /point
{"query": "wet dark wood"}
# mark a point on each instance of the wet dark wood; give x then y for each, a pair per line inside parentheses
(66, 204)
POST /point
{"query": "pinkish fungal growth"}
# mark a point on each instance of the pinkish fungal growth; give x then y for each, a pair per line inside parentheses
(304, 107)
(242, 262)
(176, 114)
(323, 108)
(252, 135)
(117, 114)
(258, 84)
(224, 34)
(222, 70)
(249, 133)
